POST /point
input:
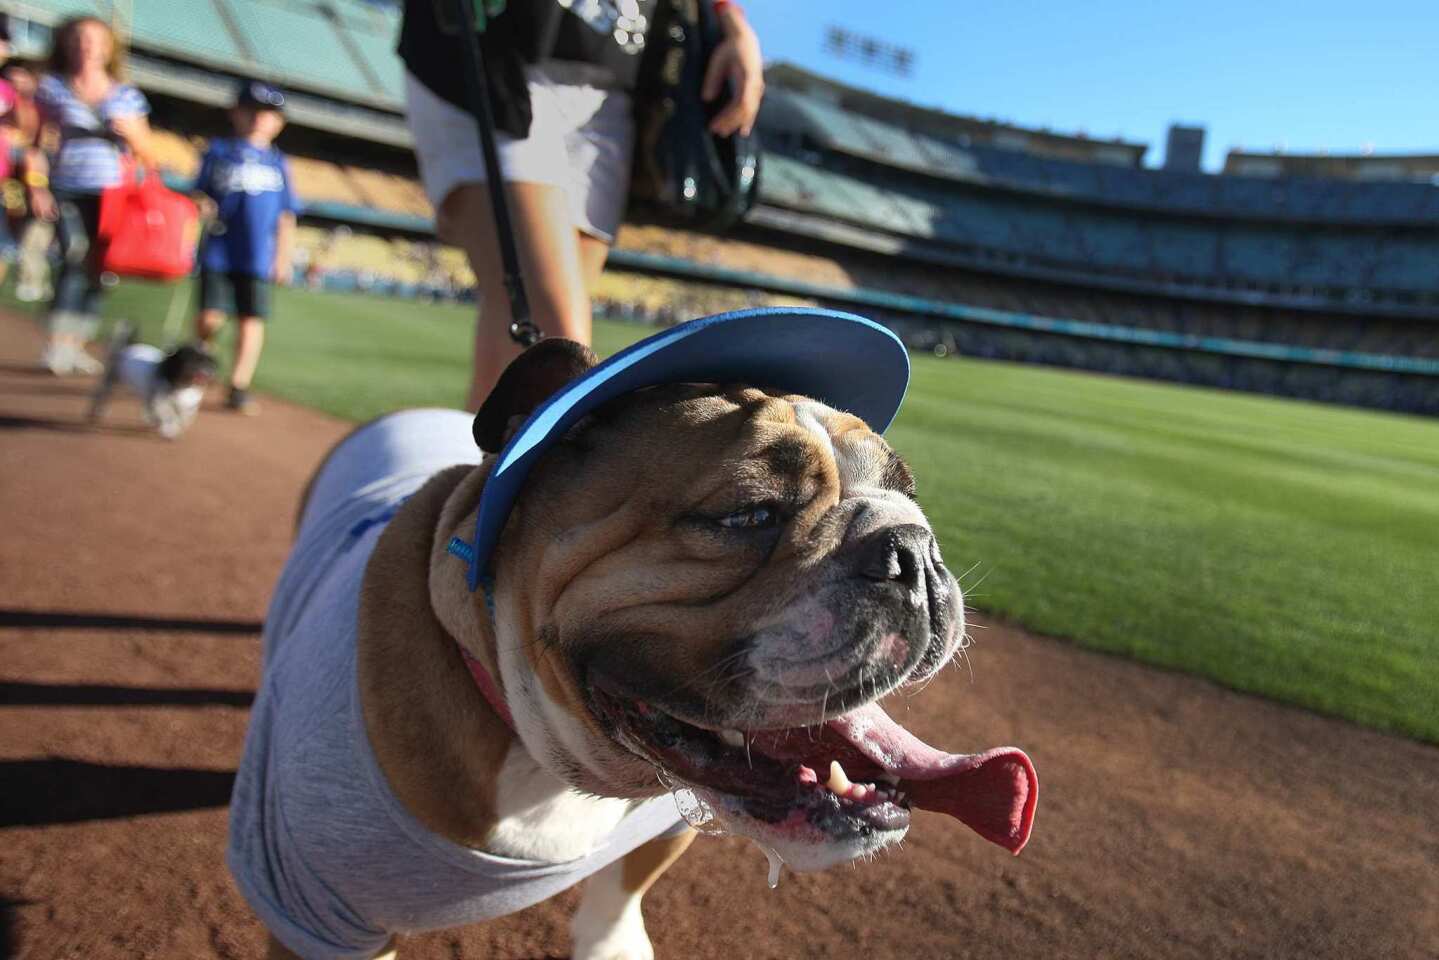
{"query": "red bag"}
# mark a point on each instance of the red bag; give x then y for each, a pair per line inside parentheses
(148, 230)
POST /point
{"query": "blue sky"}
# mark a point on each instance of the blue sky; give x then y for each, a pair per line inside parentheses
(1309, 76)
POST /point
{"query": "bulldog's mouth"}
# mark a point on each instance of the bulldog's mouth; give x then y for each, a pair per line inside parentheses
(852, 778)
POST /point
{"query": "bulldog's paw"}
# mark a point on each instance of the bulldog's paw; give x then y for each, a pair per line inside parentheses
(625, 940)
(608, 924)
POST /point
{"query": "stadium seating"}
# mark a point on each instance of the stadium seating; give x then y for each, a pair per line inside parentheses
(176, 153)
(791, 114)
(1090, 264)
(321, 180)
(192, 28)
(373, 28)
(1082, 240)
(296, 41)
(388, 191)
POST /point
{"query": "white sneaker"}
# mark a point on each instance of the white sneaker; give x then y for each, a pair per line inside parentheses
(82, 362)
(27, 293)
(57, 359)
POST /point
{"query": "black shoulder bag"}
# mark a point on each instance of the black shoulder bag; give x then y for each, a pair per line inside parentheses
(684, 175)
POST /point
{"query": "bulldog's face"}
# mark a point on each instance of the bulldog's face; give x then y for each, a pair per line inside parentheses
(696, 583)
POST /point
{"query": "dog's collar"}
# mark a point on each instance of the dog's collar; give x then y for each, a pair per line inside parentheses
(483, 680)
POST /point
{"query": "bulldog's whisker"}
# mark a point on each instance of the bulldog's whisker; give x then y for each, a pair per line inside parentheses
(960, 578)
(964, 655)
(723, 665)
(974, 586)
(924, 684)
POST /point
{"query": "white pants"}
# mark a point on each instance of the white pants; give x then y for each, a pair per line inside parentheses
(581, 139)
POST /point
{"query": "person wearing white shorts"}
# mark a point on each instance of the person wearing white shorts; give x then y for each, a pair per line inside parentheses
(567, 178)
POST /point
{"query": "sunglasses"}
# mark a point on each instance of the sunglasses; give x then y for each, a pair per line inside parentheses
(265, 96)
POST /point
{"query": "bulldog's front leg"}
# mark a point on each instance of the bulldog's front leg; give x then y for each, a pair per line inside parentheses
(608, 924)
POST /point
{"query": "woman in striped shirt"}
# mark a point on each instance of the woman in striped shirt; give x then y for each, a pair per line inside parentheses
(92, 118)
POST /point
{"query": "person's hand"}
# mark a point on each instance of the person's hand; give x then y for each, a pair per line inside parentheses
(135, 133)
(737, 59)
(281, 272)
(42, 204)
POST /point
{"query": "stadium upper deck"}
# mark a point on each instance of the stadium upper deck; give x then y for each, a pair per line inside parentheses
(847, 167)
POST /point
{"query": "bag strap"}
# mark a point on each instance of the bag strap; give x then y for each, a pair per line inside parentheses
(522, 329)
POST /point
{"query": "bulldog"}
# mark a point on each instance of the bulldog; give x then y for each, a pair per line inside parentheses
(700, 586)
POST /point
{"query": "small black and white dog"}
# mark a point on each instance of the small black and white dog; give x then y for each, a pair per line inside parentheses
(170, 385)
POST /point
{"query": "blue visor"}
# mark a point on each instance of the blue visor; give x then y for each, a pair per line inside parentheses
(842, 360)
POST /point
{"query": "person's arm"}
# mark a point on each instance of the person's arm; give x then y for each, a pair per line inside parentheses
(37, 162)
(201, 191)
(135, 131)
(37, 180)
(9, 135)
(130, 121)
(284, 248)
(285, 228)
(738, 60)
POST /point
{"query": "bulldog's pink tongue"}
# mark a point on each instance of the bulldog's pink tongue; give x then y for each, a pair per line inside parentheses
(994, 792)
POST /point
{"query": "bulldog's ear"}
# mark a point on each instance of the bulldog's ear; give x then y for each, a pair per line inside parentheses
(530, 380)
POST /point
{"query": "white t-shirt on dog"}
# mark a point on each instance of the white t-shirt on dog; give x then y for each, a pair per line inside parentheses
(138, 367)
(319, 845)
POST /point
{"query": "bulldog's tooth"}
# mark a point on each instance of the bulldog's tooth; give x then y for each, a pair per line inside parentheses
(838, 782)
(732, 737)
(859, 791)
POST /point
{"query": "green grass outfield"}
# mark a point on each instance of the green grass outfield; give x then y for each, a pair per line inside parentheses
(1283, 548)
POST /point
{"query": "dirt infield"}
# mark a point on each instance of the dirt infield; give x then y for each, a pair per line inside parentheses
(1176, 819)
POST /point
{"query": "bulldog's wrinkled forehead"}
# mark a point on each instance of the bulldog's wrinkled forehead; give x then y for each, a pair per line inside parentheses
(777, 432)
(861, 456)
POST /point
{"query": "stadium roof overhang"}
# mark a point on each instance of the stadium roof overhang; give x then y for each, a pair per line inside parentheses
(207, 87)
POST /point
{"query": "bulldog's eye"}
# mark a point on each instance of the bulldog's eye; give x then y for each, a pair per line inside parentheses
(758, 517)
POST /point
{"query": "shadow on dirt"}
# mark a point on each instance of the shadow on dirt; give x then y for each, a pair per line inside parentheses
(36, 369)
(11, 422)
(61, 620)
(43, 389)
(55, 790)
(97, 695)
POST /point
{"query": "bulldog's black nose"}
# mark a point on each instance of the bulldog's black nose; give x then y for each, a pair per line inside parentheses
(896, 554)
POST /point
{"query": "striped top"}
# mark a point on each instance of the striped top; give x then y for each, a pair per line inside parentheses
(89, 159)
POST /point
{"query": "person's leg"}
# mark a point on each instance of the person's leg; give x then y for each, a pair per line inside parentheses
(8, 247)
(207, 326)
(593, 253)
(67, 320)
(33, 279)
(248, 344)
(215, 306)
(550, 261)
(252, 305)
(94, 290)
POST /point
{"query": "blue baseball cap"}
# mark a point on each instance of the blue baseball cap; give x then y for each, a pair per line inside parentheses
(840, 359)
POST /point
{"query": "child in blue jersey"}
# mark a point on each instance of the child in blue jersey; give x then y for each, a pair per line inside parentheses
(249, 242)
